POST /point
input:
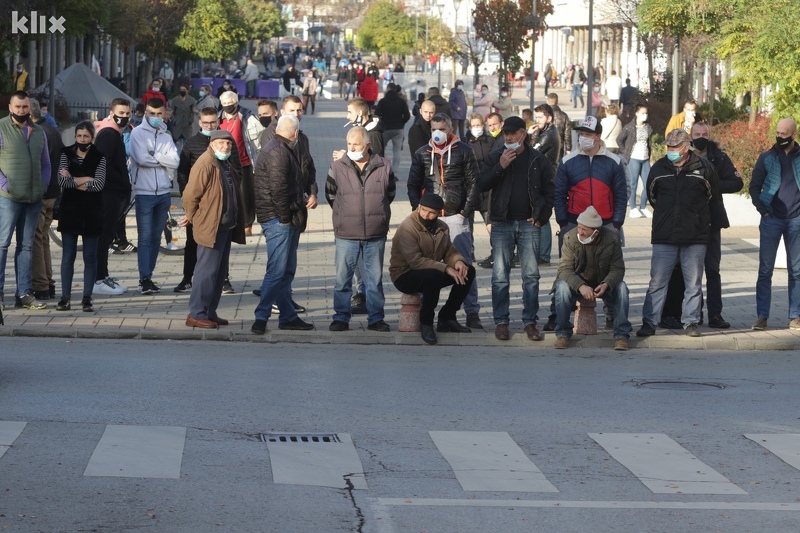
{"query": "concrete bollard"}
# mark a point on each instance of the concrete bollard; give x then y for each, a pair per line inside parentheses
(409, 312)
(585, 317)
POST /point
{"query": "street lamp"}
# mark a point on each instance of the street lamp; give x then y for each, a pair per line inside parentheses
(440, 9)
(590, 66)
(456, 5)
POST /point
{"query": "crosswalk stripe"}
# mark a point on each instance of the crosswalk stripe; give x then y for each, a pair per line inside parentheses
(323, 464)
(138, 451)
(784, 445)
(9, 431)
(663, 465)
(490, 461)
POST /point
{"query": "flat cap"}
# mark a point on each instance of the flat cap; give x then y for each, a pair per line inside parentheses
(221, 134)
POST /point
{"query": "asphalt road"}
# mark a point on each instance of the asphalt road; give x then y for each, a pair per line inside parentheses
(444, 439)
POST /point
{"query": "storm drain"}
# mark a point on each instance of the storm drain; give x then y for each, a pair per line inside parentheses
(300, 437)
(679, 385)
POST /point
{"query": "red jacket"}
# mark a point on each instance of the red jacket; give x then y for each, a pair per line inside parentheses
(153, 94)
(369, 89)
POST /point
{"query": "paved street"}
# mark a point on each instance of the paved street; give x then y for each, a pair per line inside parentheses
(114, 436)
(163, 315)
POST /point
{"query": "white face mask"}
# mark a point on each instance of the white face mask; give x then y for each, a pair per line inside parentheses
(438, 137)
(476, 132)
(513, 146)
(689, 114)
(643, 118)
(589, 239)
(585, 143)
(355, 156)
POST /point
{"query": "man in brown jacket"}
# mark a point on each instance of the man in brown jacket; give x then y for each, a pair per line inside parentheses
(424, 260)
(213, 204)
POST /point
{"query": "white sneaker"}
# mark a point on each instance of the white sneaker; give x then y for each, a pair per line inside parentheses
(635, 213)
(172, 246)
(646, 213)
(117, 284)
(104, 287)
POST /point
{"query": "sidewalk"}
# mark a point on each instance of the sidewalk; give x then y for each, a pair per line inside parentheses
(162, 316)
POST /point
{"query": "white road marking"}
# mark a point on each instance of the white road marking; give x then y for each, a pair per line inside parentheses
(323, 464)
(138, 451)
(583, 504)
(9, 431)
(784, 445)
(663, 465)
(490, 461)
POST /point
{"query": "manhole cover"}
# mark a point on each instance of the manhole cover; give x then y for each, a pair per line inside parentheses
(679, 385)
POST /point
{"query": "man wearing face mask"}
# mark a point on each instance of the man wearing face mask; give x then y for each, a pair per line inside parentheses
(685, 119)
(246, 130)
(458, 108)
(448, 167)
(360, 188)
(684, 191)
(155, 91)
(419, 134)
(592, 268)
(775, 191)
(494, 125)
(545, 139)
(116, 193)
(424, 260)
(562, 122)
(212, 201)
(267, 113)
(729, 182)
(153, 156)
(521, 181)
(282, 212)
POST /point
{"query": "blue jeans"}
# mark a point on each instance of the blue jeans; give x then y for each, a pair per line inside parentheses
(461, 236)
(348, 252)
(151, 218)
(505, 236)
(396, 136)
(21, 218)
(771, 230)
(70, 241)
(546, 243)
(692, 261)
(616, 300)
(282, 241)
(577, 93)
(636, 168)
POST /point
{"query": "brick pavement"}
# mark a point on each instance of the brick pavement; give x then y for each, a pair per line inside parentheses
(162, 316)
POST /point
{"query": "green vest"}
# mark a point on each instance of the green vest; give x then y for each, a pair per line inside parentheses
(20, 162)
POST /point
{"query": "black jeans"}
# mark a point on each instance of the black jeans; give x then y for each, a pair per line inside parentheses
(248, 195)
(189, 255)
(114, 205)
(674, 301)
(430, 282)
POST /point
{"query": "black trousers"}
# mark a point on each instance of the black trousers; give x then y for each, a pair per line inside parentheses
(248, 195)
(114, 205)
(189, 255)
(430, 282)
(674, 301)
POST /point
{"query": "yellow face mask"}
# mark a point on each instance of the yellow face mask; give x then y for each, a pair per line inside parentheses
(495, 134)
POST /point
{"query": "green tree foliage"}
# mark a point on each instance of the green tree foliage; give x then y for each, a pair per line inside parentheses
(263, 19)
(151, 25)
(439, 41)
(213, 30)
(386, 28)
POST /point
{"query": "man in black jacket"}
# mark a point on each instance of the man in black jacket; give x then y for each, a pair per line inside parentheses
(729, 182)
(281, 210)
(545, 139)
(442, 105)
(684, 191)
(521, 181)
(109, 140)
(447, 167)
(562, 122)
(393, 112)
(419, 134)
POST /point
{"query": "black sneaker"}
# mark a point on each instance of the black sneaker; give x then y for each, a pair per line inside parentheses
(156, 288)
(380, 325)
(718, 322)
(63, 304)
(259, 327)
(646, 331)
(257, 292)
(550, 325)
(52, 291)
(358, 304)
(28, 301)
(41, 295)
(487, 263)
(515, 263)
(86, 304)
(146, 286)
(670, 322)
(338, 325)
(227, 288)
(298, 324)
(183, 286)
(297, 307)
(125, 246)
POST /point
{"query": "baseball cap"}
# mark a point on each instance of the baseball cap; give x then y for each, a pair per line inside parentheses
(512, 124)
(677, 137)
(590, 124)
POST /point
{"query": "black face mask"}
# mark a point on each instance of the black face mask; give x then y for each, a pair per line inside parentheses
(229, 109)
(182, 93)
(121, 121)
(701, 143)
(265, 121)
(782, 142)
(430, 224)
(20, 118)
(83, 146)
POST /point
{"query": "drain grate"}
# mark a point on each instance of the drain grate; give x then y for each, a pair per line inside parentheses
(300, 437)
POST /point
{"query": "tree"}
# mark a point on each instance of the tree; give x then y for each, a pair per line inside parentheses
(475, 50)
(505, 24)
(386, 28)
(263, 19)
(213, 30)
(439, 40)
(159, 23)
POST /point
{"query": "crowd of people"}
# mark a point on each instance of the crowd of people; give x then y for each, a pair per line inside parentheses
(520, 173)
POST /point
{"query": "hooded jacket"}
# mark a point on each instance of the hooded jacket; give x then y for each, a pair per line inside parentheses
(150, 173)
(451, 172)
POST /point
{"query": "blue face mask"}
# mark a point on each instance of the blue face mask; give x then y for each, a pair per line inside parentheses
(221, 156)
(512, 146)
(459, 88)
(155, 122)
(206, 133)
(202, 94)
(674, 156)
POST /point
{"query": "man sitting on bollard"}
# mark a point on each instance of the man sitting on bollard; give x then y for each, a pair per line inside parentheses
(591, 267)
(424, 260)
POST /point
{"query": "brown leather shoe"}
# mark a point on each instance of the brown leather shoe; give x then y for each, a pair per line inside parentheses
(533, 333)
(501, 332)
(200, 323)
(219, 321)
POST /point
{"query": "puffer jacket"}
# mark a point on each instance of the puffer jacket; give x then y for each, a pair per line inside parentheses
(682, 199)
(452, 173)
(500, 181)
(278, 185)
(600, 181)
(548, 143)
(361, 200)
(416, 248)
(766, 181)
